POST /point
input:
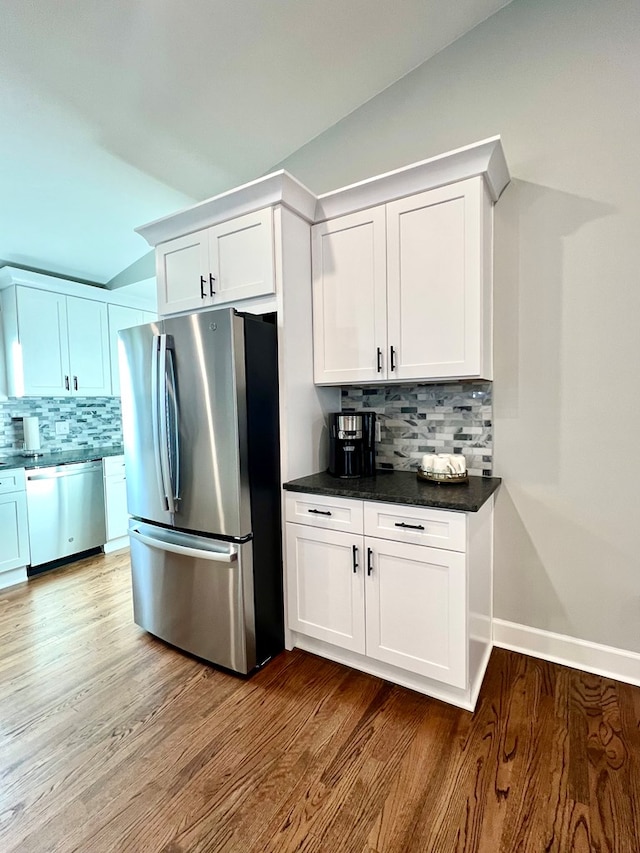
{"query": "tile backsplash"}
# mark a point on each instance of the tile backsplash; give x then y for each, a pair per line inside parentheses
(455, 417)
(92, 421)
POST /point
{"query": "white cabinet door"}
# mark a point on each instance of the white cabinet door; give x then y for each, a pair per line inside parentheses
(241, 257)
(88, 336)
(120, 317)
(14, 536)
(325, 593)
(42, 367)
(416, 609)
(434, 283)
(182, 272)
(117, 519)
(349, 298)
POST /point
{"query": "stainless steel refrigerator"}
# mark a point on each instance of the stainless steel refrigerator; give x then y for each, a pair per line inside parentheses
(201, 441)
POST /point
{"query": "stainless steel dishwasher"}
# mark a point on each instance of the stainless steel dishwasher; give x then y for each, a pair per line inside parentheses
(66, 510)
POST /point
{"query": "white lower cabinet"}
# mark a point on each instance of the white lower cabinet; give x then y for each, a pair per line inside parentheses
(14, 533)
(115, 502)
(392, 604)
(326, 592)
(415, 609)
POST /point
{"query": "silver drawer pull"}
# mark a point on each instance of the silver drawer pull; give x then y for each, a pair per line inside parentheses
(410, 526)
(319, 511)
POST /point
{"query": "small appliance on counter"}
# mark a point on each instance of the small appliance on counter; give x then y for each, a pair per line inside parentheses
(352, 449)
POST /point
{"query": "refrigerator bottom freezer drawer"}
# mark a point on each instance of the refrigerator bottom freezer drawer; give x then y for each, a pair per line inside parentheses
(195, 593)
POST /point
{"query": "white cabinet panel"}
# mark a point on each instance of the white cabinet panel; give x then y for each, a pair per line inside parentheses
(88, 337)
(182, 271)
(113, 466)
(241, 257)
(349, 298)
(14, 536)
(416, 609)
(417, 525)
(12, 480)
(41, 367)
(115, 493)
(326, 585)
(434, 282)
(115, 500)
(120, 317)
(320, 511)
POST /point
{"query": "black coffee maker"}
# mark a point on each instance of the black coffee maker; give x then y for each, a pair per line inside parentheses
(352, 444)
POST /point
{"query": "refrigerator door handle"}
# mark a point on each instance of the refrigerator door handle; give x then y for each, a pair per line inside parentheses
(163, 416)
(174, 433)
(156, 418)
(161, 545)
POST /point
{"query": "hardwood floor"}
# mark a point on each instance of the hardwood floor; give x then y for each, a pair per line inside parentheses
(112, 741)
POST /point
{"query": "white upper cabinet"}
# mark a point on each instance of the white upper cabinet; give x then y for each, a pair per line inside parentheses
(241, 257)
(121, 317)
(349, 297)
(437, 293)
(39, 355)
(227, 262)
(88, 336)
(57, 345)
(182, 272)
(403, 292)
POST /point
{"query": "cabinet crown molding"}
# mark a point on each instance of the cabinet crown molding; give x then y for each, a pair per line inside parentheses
(10, 276)
(277, 188)
(485, 158)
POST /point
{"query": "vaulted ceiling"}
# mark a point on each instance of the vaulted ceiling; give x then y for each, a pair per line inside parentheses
(116, 113)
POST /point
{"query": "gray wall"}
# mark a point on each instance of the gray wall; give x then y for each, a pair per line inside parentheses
(560, 81)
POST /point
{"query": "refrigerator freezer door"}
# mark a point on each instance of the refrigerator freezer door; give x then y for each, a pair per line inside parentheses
(195, 593)
(184, 423)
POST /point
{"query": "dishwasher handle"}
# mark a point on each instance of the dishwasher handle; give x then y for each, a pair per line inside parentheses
(56, 473)
(184, 550)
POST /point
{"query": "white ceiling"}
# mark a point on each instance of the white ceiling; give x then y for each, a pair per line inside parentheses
(117, 112)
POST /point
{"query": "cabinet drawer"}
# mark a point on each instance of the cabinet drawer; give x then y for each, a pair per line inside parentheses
(12, 480)
(113, 465)
(321, 511)
(438, 528)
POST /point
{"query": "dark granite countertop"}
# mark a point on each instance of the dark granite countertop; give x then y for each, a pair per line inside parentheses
(60, 458)
(401, 487)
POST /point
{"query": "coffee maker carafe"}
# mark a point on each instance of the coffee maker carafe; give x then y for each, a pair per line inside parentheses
(352, 444)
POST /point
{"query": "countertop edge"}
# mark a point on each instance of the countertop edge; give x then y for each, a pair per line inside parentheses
(63, 457)
(428, 500)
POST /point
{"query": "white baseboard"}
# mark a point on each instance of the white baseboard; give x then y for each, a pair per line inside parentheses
(12, 577)
(116, 544)
(602, 660)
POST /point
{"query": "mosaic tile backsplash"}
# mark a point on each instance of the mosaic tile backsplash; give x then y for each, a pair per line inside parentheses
(418, 419)
(93, 422)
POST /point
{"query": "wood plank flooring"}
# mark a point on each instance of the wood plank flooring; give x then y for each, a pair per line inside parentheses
(113, 741)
